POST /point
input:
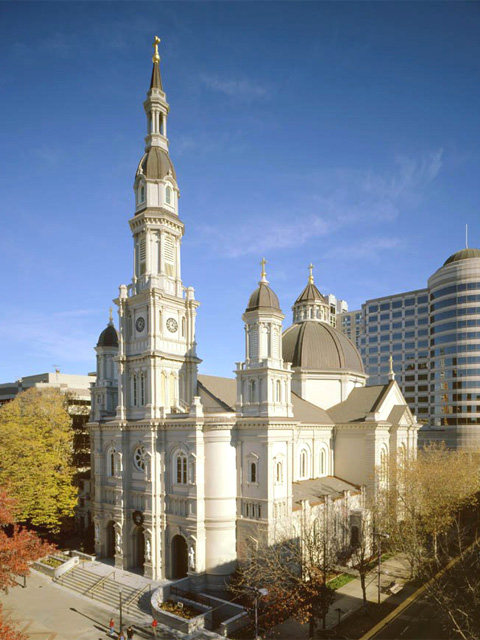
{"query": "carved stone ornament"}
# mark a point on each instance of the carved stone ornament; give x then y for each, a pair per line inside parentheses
(137, 517)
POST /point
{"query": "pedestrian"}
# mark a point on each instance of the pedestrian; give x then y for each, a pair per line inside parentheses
(130, 632)
(154, 627)
(121, 635)
(111, 627)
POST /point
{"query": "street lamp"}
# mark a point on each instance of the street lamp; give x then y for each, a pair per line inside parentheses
(120, 593)
(258, 593)
(380, 536)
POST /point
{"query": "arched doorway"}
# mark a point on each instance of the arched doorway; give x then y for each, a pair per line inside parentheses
(138, 548)
(179, 557)
(110, 540)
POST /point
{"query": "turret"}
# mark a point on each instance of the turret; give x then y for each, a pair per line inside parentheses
(263, 380)
(105, 391)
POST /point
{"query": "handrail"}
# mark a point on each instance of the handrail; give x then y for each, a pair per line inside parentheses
(97, 584)
(137, 594)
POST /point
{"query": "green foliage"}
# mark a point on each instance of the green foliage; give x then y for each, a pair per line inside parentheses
(35, 454)
(340, 581)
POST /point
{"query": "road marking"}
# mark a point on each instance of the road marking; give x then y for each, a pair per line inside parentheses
(414, 596)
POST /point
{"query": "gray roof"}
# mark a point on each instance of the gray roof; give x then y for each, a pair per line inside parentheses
(108, 337)
(310, 294)
(220, 394)
(156, 80)
(317, 489)
(464, 254)
(156, 164)
(263, 297)
(317, 346)
(360, 402)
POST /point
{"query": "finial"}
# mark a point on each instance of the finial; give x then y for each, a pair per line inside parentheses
(391, 373)
(466, 236)
(263, 277)
(310, 277)
(110, 316)
(156, 56)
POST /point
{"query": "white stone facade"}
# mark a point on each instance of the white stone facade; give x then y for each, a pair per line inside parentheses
(189, 471)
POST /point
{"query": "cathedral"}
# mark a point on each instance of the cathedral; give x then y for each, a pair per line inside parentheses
(189, 471)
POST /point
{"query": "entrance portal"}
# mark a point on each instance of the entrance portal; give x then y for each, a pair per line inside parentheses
(138, 548)
(179, 557)
(110, 540)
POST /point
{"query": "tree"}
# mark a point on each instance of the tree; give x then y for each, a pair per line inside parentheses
(294, 570)
(35, 457)
(18, 547)
(422, 501)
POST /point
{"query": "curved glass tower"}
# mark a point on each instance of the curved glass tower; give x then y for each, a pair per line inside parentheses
(455, 349)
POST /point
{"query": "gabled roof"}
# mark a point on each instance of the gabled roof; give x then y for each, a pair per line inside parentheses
(319, 488)
(220, 394)
(360, 402)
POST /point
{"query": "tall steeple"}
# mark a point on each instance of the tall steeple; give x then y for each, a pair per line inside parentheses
(157, 313)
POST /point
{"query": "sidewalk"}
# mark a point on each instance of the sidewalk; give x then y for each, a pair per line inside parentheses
(46, 611)
(349, 598)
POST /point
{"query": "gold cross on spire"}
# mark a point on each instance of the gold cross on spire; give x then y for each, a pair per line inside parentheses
(263, 262)
(310, 277)
(391, 373)
(156, 56)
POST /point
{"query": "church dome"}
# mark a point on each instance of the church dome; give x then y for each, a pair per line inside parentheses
(464, 254)
(156, 165)
(317, 346)
(263, 297)
(108, 337)
(310, 294)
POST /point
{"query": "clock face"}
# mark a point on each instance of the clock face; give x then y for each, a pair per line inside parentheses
(140, 324)
(172, 325)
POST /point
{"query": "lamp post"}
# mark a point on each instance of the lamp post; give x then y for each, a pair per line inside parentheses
(120, 593)
(380, 535)
(257, 593)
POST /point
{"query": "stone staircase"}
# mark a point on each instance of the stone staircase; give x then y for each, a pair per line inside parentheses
(105, 589)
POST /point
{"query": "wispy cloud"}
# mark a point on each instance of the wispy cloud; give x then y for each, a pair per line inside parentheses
(62, 337)
(369, 248)
(236, 87)
(327, 203)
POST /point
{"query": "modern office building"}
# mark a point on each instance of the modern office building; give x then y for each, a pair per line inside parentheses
(433, 336)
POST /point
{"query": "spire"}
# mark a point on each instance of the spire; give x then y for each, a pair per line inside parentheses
(263, 277)
(310, 277)
(156, 80)
(110, 317)
(391, 372)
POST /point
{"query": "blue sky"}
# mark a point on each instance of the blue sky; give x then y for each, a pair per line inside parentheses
(346, 134)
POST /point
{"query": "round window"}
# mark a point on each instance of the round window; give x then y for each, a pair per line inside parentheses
(139, 458)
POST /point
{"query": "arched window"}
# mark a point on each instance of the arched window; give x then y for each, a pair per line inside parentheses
(168, 195)
(191, 469)
(183, 327)
(181, 468)
(142, 389)
(279, 472)
(383, 465)
(141, 194)
(303, 463)
(135, 390)
(252, 472)
(279, 390)
(354, 536)
(253, 390)
(323, 462)
(111, 461)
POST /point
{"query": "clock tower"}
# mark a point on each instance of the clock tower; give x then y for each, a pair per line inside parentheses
(157, 361)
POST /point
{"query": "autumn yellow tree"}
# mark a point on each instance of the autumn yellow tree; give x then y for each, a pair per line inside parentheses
(35, 457)
(423, 501)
